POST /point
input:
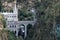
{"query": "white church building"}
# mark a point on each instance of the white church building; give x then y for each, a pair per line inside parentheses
(14, 25)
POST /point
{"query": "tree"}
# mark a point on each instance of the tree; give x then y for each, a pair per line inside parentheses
(44, 28)
(0, 6)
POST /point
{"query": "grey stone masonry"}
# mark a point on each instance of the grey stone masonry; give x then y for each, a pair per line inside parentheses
(13, 24)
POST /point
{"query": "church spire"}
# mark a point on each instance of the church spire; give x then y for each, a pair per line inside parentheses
(15, 8)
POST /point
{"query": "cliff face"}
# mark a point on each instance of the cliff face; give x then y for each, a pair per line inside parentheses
(44, 28)
(3, 36)
(7, 35)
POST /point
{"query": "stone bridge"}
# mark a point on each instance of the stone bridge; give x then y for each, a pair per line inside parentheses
(18, 26)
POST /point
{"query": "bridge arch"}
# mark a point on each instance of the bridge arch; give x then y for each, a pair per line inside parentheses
(29, 26)
(21, 31)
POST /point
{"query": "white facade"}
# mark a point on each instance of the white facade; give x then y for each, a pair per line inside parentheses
(12, 21)
(11, 16)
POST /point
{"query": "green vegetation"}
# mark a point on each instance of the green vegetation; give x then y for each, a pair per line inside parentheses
(47, 12)
(2, 20)
(9, 1)
(0, 6)
(23, 15)
(4, 23)
(44, 29)
(8, 35)
(11, 36)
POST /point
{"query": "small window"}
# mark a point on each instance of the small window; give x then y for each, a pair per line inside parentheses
(10, 25)
(15, 25)
(12, 16)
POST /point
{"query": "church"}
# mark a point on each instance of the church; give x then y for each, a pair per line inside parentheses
(12, 23)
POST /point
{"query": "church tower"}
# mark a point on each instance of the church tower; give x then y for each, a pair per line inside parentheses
(15, 11)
